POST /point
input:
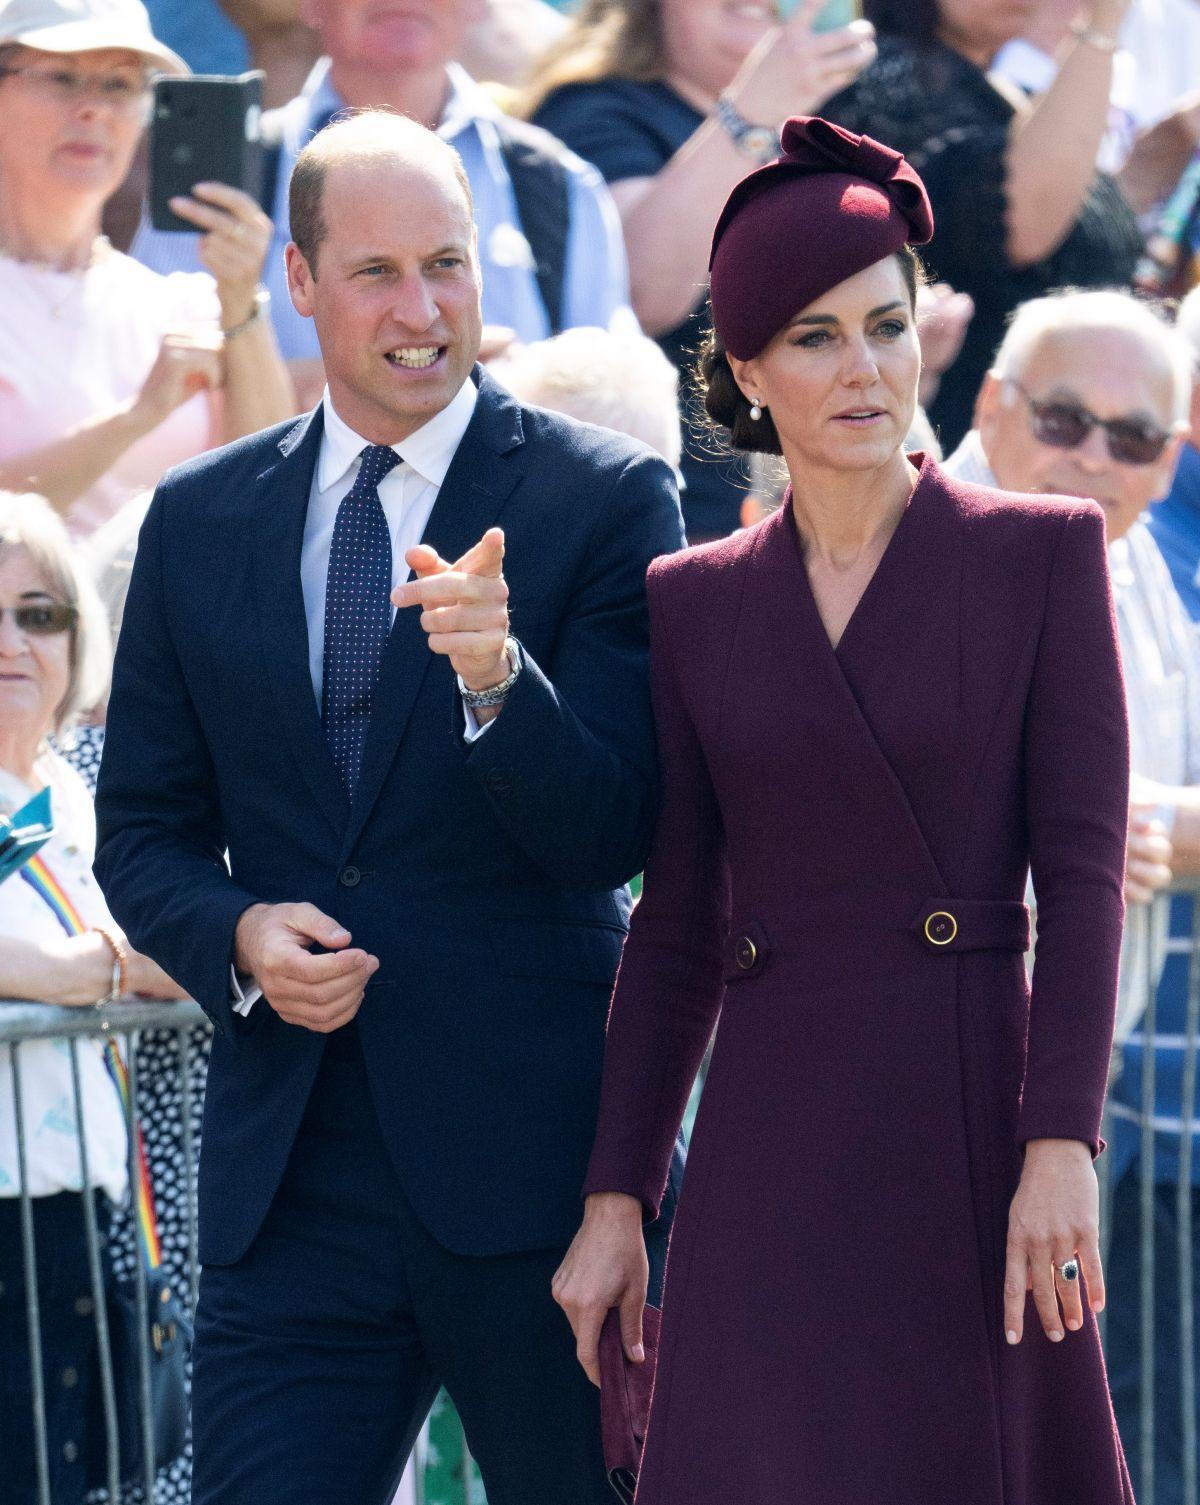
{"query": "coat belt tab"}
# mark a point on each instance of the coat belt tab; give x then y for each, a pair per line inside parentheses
(973, 925)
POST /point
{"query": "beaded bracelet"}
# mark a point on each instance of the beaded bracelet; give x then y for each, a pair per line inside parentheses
(120, 972)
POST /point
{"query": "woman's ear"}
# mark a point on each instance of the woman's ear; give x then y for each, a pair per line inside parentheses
(745, 373)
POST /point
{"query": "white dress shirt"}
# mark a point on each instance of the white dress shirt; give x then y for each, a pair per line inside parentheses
(407, 495)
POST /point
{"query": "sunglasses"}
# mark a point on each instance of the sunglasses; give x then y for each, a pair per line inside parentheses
(1065, 425)
(42, 618)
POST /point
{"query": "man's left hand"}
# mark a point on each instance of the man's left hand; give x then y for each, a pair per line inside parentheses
(464, 607)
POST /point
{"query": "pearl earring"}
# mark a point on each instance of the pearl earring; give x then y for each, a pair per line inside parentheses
(756, 411)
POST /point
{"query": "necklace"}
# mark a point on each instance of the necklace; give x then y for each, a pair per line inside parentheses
(76, 276)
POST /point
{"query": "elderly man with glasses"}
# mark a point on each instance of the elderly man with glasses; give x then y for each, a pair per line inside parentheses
(1089, 396)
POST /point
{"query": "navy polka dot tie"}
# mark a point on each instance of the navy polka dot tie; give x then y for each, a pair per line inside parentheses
(357, 612)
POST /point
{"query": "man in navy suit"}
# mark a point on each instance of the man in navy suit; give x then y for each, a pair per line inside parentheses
(384, 844)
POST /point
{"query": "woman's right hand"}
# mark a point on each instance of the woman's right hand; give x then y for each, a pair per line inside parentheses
(188, 362)
(82, 969)
(793, 70)
(605, 1266)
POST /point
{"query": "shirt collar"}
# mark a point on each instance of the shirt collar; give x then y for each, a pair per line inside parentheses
(970, 463)
(466, 104)
(428, 451)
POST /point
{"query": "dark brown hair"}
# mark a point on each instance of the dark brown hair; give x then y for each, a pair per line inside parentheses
(915, 20)
(724, 401)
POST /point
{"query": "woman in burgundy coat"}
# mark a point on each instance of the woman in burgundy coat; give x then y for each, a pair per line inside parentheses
(877, 710)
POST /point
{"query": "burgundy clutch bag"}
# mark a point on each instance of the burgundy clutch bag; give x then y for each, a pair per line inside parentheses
(625, 1399)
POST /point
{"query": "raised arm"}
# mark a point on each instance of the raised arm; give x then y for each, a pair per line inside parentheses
(567, 763)
(1051, 162)
(668, 215)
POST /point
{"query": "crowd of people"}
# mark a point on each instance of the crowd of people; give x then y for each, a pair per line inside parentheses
(1057, 303)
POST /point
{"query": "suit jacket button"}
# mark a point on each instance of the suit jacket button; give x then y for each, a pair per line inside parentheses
(350, 877)
(745, 953)
(499, 782)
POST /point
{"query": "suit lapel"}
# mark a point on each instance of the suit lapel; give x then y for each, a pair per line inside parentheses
(486, 467)
(278, 538)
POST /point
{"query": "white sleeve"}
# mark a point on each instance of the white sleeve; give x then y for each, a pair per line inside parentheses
(242, 1001)
(474, 731)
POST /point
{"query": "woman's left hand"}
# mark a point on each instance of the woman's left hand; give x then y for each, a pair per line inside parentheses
(1055, 1217)
(235, 247)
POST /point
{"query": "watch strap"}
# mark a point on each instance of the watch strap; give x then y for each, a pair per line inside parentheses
(494, 694)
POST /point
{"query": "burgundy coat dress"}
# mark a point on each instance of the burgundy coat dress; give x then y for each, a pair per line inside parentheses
(838, 873)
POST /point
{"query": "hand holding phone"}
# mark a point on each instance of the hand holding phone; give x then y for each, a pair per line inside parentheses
(203, 130)
(797, 67)
(831, 16)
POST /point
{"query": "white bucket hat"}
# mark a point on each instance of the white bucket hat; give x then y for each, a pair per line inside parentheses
(86, 26)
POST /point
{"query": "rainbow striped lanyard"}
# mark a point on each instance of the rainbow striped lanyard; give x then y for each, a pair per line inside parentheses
(47, 887)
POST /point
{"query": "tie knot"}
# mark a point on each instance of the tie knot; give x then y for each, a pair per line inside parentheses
(375, 461)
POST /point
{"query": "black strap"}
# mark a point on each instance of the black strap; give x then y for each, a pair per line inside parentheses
(541, 186)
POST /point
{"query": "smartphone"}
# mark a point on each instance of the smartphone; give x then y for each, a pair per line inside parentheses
(205, 129)
(832, 15)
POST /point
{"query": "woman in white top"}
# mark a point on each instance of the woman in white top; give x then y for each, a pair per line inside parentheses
(53, 662)
(111, 373)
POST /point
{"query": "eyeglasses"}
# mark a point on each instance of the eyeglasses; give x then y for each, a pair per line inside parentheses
(126, 94)
(1065, 425)
(42, 618)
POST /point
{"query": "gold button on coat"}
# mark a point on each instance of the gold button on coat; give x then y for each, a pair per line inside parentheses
(941, 928)
(745, 953)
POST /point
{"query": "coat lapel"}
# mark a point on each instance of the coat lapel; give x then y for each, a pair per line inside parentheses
(278, 539)
(866, 674)
(485, 469)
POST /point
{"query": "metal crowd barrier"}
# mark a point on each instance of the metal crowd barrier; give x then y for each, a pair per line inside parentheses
(21, 1022)
(1150, 1124)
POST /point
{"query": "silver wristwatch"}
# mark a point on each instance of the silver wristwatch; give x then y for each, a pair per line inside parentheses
(758, 141)
(478, 699)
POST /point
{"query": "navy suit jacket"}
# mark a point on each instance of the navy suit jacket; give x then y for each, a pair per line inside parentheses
(488, 878)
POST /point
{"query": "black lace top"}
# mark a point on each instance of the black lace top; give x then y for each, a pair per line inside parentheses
(950, 122)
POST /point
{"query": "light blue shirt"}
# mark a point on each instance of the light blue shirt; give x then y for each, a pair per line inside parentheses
(596, 277)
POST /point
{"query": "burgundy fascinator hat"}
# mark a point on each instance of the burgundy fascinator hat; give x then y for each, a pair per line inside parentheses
(832, 204)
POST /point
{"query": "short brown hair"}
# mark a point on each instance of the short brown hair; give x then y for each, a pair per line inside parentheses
(306, 191)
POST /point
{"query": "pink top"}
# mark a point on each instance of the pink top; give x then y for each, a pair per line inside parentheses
(75, 345)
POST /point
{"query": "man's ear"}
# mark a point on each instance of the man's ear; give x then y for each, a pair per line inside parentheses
(987, 406)
(300, 280)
